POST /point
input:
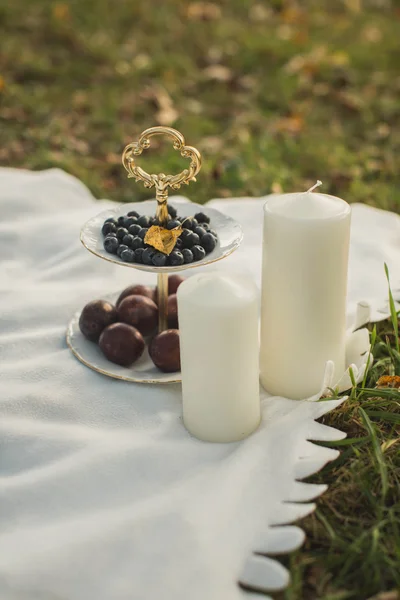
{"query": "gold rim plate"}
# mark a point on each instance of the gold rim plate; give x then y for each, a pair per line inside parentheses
(229, 233)
(142, 371)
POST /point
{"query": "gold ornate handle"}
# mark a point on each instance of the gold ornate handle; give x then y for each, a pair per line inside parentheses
(161, 181)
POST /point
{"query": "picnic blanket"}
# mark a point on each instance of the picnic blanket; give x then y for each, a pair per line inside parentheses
(104, 495)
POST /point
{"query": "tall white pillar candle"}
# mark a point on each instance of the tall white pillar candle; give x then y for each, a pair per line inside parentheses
(218, 326)
(304, 280)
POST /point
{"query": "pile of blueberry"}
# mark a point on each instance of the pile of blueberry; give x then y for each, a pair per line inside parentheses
(125, 238)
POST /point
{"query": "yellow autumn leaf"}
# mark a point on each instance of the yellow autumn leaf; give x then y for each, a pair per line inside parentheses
(388, 381)
(162, 239)
(61, 11)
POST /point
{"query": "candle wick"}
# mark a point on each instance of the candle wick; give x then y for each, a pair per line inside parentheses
(314, 186)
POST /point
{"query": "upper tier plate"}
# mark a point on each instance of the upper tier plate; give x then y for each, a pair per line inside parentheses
(229, 233)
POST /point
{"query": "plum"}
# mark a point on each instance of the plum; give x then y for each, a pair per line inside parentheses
(95, 317)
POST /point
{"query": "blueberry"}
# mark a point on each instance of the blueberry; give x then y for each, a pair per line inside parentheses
(111, 220)
(159, 259)
(200, 231)
(214, 233)
(190, 239)
(179, 244)
(172, 211)
(190, 223)
(133, 213)
(187, 238)
(111, 244)
(198, 252)
(121, 233)
(128, 255)
(202, 218)
(205, 226)
(138, 255)
(129, 221)
(143, 221)
(188, 255)
(147, 256)
(173, 224)
(175, 259)
(137, 242)
(108, 228)
(134, 229)
(187, 223)
(121, 221)
(142, 232)
(120, 249)
(127, 240)
(208, 242)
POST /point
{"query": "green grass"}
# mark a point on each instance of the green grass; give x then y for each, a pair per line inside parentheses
(353, 539)
(276, 95)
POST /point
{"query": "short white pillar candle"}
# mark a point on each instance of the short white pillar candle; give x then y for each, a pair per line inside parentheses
(304, 283)
(218, 325)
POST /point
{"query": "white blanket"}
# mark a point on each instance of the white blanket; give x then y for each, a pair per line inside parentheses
(103, 494)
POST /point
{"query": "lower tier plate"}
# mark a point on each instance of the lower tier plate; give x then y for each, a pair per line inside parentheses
(89, 353)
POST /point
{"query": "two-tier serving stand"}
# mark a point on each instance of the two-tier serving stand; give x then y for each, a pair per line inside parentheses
(229, 238)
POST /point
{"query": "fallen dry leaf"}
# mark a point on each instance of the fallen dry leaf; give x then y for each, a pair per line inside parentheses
(353, 5)
(203, 11)
(194, 106)
(338, 59)
(321, 89)
(214, 55)
(295, 64)
(113, 159)
(292, 124)
(350, 101)
(259, 12)
(393, 595)
(162, 239)
(292, 14)
(60, 11)
(166, 114)
(247, 82)
(388, 381)
(123, 67)
(304, 65)
(372, 34)
(142, 61)
(285, 31)
(80, 99)
(276, 188)
(383, 130)
(211, 144)
(218, 73)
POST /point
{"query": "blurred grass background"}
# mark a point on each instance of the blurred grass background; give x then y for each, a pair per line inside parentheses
(275, 94)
